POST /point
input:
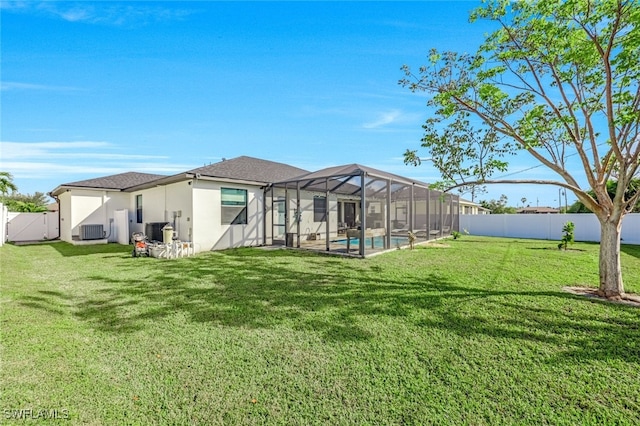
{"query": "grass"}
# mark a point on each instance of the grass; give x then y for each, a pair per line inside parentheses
(478, 332)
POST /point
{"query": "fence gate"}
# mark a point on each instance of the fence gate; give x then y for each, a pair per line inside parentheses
(33, 226)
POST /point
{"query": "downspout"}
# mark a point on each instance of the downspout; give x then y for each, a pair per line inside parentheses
(55, 197)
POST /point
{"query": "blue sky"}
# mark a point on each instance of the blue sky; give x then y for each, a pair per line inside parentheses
(97, 88)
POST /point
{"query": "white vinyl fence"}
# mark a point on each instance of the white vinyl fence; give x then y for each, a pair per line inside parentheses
(546, 226)
(33, 226)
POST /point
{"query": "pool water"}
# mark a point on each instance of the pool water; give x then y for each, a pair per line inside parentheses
(378, 242)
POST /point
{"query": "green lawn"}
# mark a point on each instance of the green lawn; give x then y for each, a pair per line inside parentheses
(477, 332)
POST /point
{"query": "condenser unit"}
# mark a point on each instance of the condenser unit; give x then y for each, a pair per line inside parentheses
(91, 232)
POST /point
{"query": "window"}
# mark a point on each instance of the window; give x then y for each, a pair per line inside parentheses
(319, 209)
(138, 208)
(234, 206)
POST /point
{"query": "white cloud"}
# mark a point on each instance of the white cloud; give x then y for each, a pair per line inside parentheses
(45, 170)
(85, 150)
(383, 119)
(104, 13)
(394, 117)
(39, 160)
(31, 150)
(14, 85)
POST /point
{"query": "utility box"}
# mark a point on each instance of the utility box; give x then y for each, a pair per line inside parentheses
(153, 230)
(167, 234)
(91, 232)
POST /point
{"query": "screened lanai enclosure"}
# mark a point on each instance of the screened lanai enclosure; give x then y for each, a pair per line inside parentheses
(356, 210)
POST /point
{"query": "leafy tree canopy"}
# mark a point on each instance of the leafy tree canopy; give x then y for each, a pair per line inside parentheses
(612, 187)
(25, 202)
(498, 206)
(558, 80)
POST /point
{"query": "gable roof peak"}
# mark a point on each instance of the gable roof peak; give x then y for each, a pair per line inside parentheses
(250, 169)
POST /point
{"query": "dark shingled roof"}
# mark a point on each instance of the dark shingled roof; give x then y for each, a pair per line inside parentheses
(250, 169)
(120, 181)
(243, 168)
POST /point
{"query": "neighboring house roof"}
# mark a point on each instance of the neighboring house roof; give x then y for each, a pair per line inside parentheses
(250, 169)
(119, 182)
(468, 202)
(537, 210)
(465, 202)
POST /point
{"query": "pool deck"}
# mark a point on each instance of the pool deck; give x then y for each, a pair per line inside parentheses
(340, 249)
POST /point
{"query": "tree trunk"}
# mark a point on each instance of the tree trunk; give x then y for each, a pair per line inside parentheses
(611, 285)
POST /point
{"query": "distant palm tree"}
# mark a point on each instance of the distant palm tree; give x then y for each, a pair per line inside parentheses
(25, 207)
(524, 200)
(6, 183)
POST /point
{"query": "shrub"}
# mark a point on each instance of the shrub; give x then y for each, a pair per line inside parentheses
(567, 237)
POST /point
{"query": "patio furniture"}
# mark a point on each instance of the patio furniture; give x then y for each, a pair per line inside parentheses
(401, 231)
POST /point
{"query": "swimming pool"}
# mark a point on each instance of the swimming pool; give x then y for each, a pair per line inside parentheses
(378, 242)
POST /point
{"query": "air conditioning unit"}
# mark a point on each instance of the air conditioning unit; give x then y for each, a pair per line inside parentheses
(91, 232)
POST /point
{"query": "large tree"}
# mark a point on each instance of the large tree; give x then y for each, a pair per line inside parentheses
(560, 80)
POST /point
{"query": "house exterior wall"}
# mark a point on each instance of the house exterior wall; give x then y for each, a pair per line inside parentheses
(153, 207)
(471, 208)
(308, 226)
(192, 207)
(179, 209)
(307, 223)
(168, 203)
(209, 233)
(89, 207)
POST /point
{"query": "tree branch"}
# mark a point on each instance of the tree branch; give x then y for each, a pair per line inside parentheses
(582, 195)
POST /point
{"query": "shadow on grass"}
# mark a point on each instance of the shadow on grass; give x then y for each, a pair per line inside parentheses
(67, 250)
(631, 250)
(559, 250)
(340, 298)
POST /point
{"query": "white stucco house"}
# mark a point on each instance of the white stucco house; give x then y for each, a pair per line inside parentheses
(470, 207)
(248, 201)
(216, 206)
